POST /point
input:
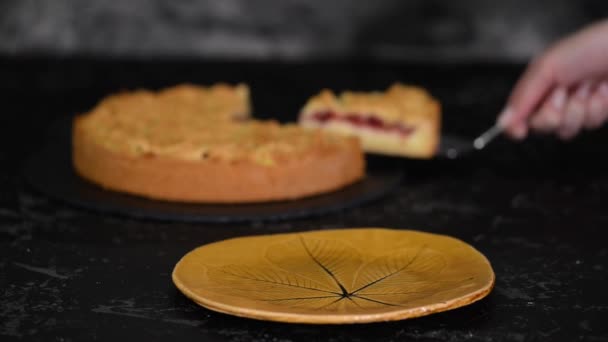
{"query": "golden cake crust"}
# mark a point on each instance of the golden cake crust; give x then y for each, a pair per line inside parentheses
(128, 143)
(410, 108)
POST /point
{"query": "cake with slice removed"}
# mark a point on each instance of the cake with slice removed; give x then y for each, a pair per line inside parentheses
(403, 120)
(198, 144)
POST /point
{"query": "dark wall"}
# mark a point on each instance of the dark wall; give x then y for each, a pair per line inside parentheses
(292, 29)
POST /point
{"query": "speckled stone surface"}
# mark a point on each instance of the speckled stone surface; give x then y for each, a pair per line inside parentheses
(534, 209)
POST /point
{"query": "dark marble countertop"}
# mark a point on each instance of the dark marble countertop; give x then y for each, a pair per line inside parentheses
(534, 209)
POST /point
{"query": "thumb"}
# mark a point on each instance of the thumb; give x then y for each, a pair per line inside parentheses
(529, 92)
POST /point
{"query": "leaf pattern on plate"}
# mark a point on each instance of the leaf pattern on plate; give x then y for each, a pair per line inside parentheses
(331, 275)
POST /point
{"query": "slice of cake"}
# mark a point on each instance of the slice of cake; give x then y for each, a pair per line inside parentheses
(403, 120)
(196, 144)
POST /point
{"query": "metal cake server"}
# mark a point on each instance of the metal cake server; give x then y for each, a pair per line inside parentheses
(452, 147)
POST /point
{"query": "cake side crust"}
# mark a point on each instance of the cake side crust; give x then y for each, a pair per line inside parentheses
(216, 181)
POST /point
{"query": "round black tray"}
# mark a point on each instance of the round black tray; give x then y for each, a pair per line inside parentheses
(50, 171)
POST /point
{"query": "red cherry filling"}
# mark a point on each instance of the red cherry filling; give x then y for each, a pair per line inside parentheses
(368, 120)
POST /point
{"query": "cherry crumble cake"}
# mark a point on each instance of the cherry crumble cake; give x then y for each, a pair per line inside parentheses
(403, 120)
(198, 144)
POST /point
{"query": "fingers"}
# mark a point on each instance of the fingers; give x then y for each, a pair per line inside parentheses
(574, 115)
(526, 97)
(597, 108)
(549, 117)
(565, 114)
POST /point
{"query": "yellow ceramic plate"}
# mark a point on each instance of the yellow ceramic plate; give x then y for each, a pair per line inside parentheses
(335, 276)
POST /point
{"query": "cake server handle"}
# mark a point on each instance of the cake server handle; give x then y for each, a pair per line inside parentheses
(486, 137)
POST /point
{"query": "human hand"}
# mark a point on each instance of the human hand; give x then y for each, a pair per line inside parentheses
(563, 90)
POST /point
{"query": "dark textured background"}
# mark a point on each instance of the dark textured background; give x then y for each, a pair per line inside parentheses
(534, 208)
(292, 29)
